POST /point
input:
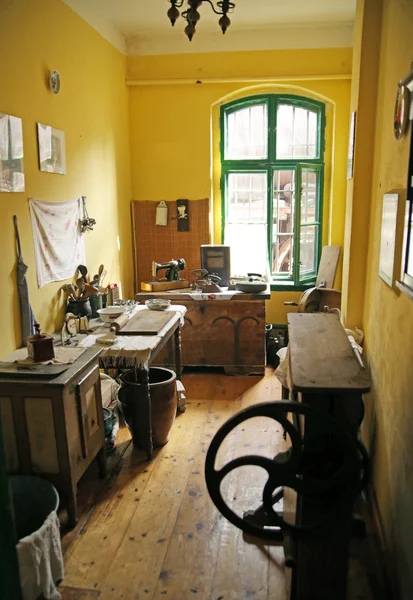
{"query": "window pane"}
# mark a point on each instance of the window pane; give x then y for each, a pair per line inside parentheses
(249, 251)
(296, 132)
(247, 133)
(283, 220)
(307, 250)
(309, 196)
(247, 198)
(282, 254)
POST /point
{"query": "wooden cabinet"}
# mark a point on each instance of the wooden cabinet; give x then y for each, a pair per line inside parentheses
(220, 333)
(54, 427)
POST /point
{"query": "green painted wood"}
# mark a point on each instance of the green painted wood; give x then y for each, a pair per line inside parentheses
(271, 164)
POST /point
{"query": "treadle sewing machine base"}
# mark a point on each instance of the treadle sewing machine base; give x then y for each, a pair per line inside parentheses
(325, 465)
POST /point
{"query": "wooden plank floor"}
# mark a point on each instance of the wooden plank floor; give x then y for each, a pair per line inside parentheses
(150, 531)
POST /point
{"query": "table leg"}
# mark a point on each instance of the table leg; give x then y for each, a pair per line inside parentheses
(145, 421)
(71, 506)
(177, 337)
(101, 459)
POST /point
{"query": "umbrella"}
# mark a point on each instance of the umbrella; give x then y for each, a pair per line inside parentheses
(27, 319)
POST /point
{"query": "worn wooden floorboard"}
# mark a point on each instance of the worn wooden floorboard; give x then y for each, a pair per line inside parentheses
(152, 532)
(91, 488)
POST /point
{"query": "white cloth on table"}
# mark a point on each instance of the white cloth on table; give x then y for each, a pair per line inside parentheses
(62, 356)
(41, 561)
(212, 295)
(131, 350)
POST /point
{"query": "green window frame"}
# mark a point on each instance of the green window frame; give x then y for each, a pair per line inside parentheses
(303, 168)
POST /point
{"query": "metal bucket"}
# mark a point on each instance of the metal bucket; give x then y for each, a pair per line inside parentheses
(33, 500)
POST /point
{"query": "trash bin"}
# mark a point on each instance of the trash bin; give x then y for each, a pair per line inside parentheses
(162, 386)
(39, 550)
(33, 500)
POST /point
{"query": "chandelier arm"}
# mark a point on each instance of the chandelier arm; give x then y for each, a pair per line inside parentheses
(217, 12)
(225, 3)
(177, 3)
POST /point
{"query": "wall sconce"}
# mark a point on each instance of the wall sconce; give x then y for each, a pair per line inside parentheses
(162, 214)
(182, 215)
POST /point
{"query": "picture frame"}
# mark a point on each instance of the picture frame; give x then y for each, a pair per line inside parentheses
(351, 142)
(391, 238)
(52, 149)
(406, 276)
(11, 154)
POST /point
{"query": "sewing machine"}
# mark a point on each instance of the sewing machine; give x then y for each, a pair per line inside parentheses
(172, 279)
(173, 268)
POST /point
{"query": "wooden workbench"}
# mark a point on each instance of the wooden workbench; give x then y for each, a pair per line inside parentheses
(139, 351)
(54, 427)
(325, 374)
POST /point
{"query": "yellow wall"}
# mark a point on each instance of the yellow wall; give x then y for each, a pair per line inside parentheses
(388, 314)
(363, 102)
(173, 143)
(92, 110)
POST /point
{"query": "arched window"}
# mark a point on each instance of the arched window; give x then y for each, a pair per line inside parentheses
(272, 158)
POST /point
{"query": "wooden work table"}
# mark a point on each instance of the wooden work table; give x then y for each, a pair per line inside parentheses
(221, 330)
(325, 374)
(139, 351)
(321, 357)
(54, 427)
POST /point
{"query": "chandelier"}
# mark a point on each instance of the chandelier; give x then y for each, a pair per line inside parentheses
(192, 16)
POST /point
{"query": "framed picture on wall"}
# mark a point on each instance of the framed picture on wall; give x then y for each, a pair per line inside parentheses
(406, 279)
(351, 141)
(390, 242)
(11, 154)
(52, 149)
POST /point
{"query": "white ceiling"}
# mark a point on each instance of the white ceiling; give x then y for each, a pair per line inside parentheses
(142, 27)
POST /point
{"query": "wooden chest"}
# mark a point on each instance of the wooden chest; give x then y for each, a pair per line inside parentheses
(220, 333)
(54, 427)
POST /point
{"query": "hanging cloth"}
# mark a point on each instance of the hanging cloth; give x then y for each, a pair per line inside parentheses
(27, 319)
(57, 238)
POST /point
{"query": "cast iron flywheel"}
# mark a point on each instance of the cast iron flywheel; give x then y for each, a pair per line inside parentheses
(325, 464)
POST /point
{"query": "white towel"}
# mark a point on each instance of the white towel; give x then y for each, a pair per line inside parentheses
(57, 238)
(41, 561)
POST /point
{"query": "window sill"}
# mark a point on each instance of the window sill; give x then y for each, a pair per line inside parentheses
(290, 286)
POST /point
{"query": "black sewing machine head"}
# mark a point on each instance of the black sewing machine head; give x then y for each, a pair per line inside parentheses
(173, 268)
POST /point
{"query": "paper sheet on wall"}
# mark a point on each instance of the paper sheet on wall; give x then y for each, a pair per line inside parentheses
(58, 242)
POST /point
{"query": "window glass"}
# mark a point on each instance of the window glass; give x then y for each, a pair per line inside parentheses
(247, 198)
(247, 133)
(308, 196)
(272, 152)
(296, 132)
(307, 250)
(283, 221)
(249, 250)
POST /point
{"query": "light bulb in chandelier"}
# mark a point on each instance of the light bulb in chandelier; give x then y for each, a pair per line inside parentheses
(173, 14)
(193, 16)
(224, 23)
(190, 31)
